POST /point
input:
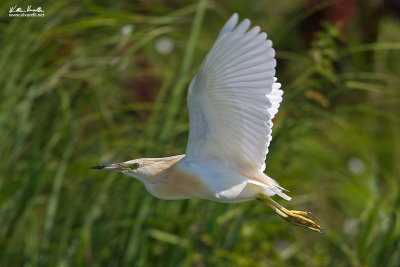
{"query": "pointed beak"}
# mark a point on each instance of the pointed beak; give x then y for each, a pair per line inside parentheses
(114, 166)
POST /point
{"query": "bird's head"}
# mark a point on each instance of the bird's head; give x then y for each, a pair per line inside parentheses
(137, 168)
(141, 169)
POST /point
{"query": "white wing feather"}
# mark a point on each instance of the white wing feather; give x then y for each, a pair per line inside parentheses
(233, 99)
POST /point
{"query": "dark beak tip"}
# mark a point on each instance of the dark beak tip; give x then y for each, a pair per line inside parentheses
(99, 167)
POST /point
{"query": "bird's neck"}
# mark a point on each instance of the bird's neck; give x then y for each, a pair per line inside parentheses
(155, 168)
(170, 181)
(161, 164)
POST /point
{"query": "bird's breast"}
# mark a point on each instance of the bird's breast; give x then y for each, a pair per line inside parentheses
(175, 183)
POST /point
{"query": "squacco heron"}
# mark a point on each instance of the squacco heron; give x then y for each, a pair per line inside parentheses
(231, 101)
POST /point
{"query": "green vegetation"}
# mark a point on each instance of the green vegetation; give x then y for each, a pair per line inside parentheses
(86, 85)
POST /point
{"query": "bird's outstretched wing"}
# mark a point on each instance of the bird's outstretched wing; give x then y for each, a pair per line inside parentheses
(233, 99)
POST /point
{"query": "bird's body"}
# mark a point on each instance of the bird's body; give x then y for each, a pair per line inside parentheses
(176, 178)
(232, 101)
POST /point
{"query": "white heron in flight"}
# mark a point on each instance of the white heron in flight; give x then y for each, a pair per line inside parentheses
(231, 101)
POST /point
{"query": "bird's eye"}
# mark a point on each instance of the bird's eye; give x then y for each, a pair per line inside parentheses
(134, 166)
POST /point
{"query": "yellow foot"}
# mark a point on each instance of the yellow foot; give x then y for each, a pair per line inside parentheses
(301, 218)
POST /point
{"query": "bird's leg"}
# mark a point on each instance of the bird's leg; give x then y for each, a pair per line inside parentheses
(301, 218)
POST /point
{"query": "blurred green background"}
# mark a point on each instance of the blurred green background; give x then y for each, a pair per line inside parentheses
(105, 81)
